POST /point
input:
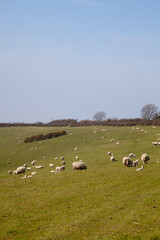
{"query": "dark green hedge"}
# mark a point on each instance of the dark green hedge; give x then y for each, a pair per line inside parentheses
(44, 137)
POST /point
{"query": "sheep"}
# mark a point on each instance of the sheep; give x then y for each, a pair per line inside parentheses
(44, 157)
(135, 163)
(62, 158)
(132, 155)
(20, 170)
(75, 148)
(140, 169)
(112, 158)
(145, 158)
(51, 165)
(56, 158)
(76, 157)
(117, 143)
(33, 162)
(8, 162)
(155, 143)
(112, 140)
(58, 169)
(79, 166)
(52, 171)
(127, 162)
(109, 153)
(25, 165)
(38, 167)
(63, 162)
(33, 173)
(28, 168)
(10, 171)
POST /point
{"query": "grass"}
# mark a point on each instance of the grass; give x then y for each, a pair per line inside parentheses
(105, 202)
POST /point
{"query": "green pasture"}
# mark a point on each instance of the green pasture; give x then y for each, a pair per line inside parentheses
(108, 201)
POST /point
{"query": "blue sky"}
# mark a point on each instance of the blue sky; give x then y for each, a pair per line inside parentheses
(72, 58)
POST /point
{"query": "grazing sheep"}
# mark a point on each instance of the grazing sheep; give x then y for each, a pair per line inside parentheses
(25, 165)
(127, 162)
(28, 168)
(145, 158)
(33, 162)
(51, 165)
(10, 172)
(52, 171)
(112, 158)
(20, 170)
(8, 162)
(63, 162)
(76, 157)
(38, 167)
(79, 166)
(62, 158)
(75, 148)
(132, 155)
(59, 169)
(140, 169)
(112, 140)
(135, 163)
(33, 173)
(44, 157)
(155, 143)
(117, 143)
(56, 158)
(109, 153)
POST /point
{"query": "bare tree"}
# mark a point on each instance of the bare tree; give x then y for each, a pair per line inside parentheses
(99, 116)
(149, 111)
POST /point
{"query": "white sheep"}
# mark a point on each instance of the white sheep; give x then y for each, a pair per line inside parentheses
(127, 162)
(112, 158)
(63, 162)
(135, 163)
(132, 155)
(38, 167)
(10, 171)
(109, 153)
(79, 166)
(25, 165)
(59, 169)
(140, 169)
(76, 157)
(51, 165)
(62, 158)
(33, 162)
(145, 158)
(75, 148)
(28, 168)
(20, 170)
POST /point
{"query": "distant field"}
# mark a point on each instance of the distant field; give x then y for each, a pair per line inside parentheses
(108, 201)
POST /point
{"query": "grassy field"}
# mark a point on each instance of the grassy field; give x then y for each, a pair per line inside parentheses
(107, 201)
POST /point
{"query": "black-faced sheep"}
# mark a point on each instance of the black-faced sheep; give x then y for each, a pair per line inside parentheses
(145, 158)
(127, 162)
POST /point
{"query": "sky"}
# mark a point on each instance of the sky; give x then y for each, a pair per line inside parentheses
(63, 59)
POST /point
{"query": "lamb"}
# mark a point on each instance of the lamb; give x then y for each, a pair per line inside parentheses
(145, 158)
(33, 162)
(20, 170)
(51, 165)
(135, 163)
(112, 158)
(38, 167)
(63, 162)
(10, 171)
(127, 162)
(76, 157)
(62, 158)
(109, 153)
(25, 165)
(132, 155)
(140, 169)
(59, 169)
(75, 148)
(155, 143)
(79, 166)
(28, 168)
